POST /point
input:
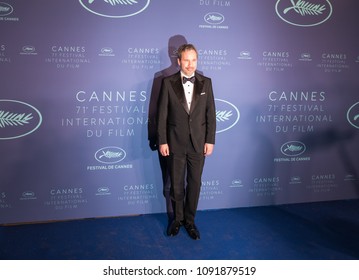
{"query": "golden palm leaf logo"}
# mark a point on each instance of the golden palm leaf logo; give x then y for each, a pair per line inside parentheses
(116, 2)
(13, 119)
(305, 8)
(115, 8)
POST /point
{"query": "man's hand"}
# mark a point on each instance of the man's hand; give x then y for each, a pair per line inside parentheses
(208, 149)
(164, 150)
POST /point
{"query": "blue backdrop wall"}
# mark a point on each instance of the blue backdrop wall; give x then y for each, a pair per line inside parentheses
(80, 80)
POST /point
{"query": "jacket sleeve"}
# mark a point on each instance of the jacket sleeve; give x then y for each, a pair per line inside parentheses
(162, 113)
(210, 116)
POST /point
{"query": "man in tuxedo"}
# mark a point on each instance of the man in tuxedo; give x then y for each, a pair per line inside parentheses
(186, 135)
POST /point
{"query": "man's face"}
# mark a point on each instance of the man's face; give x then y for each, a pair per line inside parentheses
(188, 62)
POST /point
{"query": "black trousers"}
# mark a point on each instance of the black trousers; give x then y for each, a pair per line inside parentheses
(186, 179)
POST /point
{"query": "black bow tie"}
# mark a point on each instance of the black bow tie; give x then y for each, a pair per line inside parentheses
(185, 79)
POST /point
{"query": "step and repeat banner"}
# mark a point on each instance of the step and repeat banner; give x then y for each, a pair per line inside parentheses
(79, 85)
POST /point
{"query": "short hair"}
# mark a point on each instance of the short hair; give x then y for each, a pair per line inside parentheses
(185, 47)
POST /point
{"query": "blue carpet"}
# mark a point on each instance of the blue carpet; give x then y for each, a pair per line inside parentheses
(309, 231)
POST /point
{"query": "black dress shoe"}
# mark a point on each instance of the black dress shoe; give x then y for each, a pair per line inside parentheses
(173, 228)
(193, 231)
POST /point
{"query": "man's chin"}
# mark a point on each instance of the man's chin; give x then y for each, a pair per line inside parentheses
(189, 73)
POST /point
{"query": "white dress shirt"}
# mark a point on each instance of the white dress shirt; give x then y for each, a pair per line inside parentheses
(188, 91)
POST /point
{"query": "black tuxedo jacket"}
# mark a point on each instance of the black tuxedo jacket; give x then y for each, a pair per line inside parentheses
(176, 123)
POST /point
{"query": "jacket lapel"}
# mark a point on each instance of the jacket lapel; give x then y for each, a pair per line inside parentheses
(178, 89)
(198, 86)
